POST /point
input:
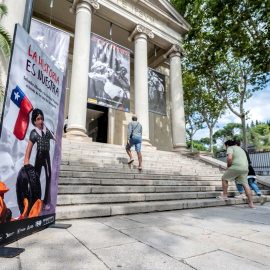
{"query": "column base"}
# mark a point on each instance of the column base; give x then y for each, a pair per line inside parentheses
(76, 134)
(146, 145)
(180, 148)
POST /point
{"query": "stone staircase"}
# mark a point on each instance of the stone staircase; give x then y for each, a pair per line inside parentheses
(95, 180)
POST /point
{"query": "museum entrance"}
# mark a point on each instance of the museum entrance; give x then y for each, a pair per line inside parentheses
(97, 123)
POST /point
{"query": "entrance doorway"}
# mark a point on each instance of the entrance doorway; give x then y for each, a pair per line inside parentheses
(97, 123)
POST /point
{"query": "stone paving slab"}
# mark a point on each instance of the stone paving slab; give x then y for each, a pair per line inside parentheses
(171, 244)
(223, 261)
(143, 258)
(223, 238)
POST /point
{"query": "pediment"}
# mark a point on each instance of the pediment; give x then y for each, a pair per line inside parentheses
(166, 7)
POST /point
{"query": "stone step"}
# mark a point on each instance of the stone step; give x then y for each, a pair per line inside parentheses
(101, 160)
(116, 198)
(96, 166)
(135, 182)
(125, 175)
(117, 176)
(99, 210)
(91, 189)
(120, 198)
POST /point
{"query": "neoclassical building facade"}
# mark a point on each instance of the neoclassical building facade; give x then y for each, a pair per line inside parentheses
(152, 30)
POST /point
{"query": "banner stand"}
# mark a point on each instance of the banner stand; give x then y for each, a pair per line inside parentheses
(60, 226)
(10, 252)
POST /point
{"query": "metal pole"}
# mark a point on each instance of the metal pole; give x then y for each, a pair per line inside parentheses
(28, 14)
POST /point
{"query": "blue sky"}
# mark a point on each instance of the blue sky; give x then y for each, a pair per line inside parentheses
(258, 105)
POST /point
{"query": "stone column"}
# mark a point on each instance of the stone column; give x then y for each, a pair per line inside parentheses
(140, 35)
(177, 100)
(14, 15)
(80, 67)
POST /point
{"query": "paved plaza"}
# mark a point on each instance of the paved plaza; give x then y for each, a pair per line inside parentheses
(230, 237)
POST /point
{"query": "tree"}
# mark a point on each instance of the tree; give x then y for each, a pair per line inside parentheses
(242, 25)
(194, 120)
(5, 44)
(197, 146)
(229, 132)
(211, 107)
(215, 52)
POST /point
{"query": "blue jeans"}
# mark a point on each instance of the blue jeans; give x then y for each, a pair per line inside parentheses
(251, 184)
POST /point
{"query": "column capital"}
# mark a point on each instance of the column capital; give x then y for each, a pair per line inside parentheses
(140, 29)
(92, 4)
(176, 49)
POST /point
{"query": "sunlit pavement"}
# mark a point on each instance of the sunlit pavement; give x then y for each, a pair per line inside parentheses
(231, 237)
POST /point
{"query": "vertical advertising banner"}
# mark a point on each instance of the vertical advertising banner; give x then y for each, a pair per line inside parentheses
(53, 42)
(156, 92)
(109, 74)
(30, 140)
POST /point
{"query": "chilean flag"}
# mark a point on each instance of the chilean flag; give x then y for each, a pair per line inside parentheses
(25, 106)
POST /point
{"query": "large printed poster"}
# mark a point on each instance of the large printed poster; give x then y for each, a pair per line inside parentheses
(54, 42)
(30, 142)
(156, 92)
(109, 74)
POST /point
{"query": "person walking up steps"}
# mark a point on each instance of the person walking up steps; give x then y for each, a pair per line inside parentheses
(237, 169)
(134, 137)
(251, 180)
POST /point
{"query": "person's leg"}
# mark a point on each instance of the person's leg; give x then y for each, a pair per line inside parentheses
(254, 186)
(225, 188)
(139, 159)
(249, 195)
(257, 190)
(240, 190)
(47, 167)
(130, 155)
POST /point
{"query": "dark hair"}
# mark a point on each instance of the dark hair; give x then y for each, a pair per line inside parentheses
(229, 143)
(36, 112)
(237, 142)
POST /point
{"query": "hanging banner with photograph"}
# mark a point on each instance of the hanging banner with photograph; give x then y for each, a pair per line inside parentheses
(109, 74)
(54, 42)
(156, 92)
(30, 140)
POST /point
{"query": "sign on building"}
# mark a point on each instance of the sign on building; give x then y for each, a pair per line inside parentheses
(109, 74)
(30, 140)
(156, 92)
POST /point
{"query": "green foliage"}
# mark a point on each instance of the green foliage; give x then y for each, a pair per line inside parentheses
(197, 146)
(221, 47)
(262, 129)
(229, 132)
(5, 44)
(205, 141)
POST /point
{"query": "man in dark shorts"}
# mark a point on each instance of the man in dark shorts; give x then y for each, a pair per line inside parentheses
(134, 137)
(237, 169)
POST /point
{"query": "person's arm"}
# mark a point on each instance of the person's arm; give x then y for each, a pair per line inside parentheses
(28, 152)
(129, 132)
(229, 160)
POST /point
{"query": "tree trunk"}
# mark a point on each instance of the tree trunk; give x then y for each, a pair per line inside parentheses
(191, 143)
(211, 140)
(244, 129)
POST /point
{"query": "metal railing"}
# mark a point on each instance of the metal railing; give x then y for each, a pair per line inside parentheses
(260, 162)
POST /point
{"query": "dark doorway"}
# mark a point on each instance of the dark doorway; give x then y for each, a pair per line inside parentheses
(97, 123)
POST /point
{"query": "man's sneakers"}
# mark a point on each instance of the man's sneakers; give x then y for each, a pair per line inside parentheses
(263, 199)
(240, 196)
(130, 161)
